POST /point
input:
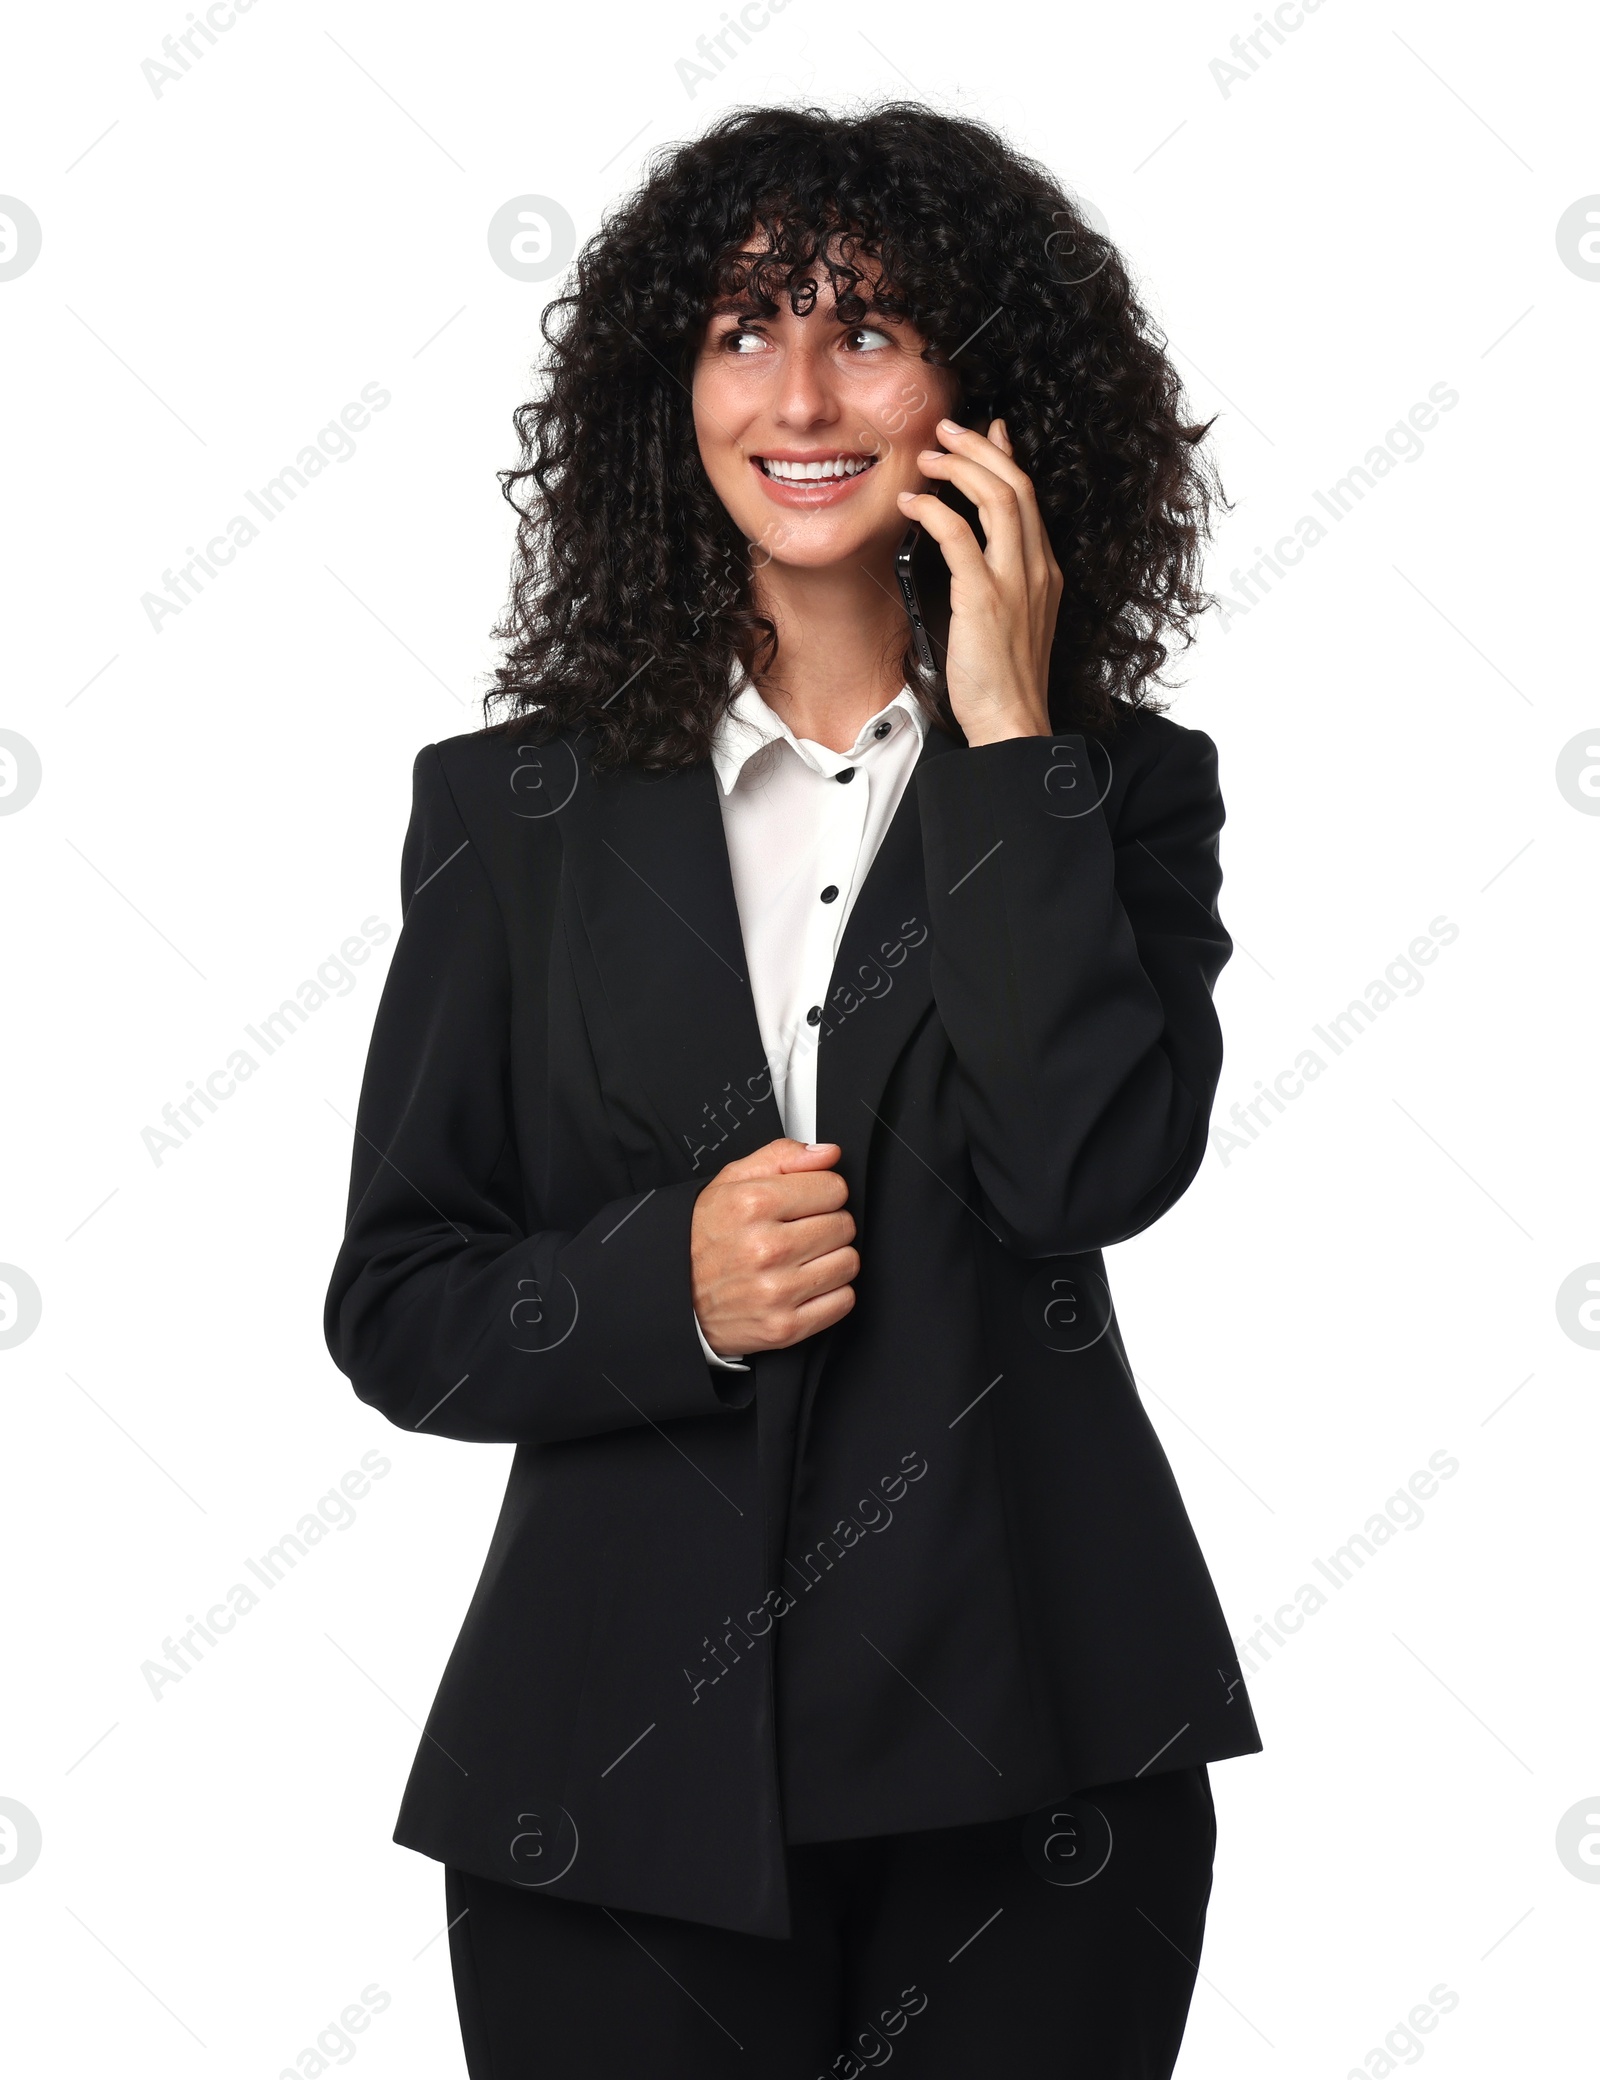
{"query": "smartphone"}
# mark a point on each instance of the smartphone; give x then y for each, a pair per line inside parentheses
(904, 558)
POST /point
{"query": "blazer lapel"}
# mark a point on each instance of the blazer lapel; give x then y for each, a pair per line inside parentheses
(649, 867)
(880, 989)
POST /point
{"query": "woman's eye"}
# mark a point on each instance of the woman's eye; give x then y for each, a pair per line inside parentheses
(741, 340)
(870, 334)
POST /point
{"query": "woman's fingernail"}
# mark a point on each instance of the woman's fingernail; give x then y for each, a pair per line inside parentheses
(813, 1144)
(948, 426)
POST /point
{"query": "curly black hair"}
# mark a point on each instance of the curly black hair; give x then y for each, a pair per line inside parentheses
(632, 592)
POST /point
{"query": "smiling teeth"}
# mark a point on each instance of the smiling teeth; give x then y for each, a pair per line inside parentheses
(807, 472)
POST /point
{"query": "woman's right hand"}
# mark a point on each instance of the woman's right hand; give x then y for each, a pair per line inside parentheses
(770, 1249)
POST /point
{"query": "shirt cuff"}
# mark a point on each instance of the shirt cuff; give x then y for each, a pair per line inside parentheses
(727, 1364)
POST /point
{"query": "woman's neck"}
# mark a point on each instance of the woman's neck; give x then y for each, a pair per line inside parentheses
(841, 634)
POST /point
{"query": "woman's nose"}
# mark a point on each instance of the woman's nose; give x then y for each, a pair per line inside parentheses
(805, 395)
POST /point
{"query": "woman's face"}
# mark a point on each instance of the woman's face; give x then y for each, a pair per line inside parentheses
(809, 426)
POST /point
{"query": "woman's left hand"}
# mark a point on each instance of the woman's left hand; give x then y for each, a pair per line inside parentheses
(1004, 596)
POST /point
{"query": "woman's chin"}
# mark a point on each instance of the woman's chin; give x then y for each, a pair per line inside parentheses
(816, 541)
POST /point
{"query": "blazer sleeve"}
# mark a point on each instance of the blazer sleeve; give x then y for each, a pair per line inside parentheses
(450, 1309)
(1073, 966)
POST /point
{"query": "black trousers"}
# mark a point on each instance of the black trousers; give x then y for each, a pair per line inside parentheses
(1065, 1944)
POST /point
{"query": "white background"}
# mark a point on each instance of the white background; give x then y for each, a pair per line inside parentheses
(1372, 1280)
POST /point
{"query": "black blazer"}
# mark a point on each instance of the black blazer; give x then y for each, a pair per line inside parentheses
(1018, 1058)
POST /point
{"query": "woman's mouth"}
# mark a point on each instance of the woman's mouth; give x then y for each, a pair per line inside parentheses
(811, 480)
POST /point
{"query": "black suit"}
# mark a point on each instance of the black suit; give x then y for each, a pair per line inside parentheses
(1018, 1058)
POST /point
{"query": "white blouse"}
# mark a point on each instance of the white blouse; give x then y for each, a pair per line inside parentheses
(803, 825)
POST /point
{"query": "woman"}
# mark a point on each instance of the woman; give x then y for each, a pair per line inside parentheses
(778, 1032)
